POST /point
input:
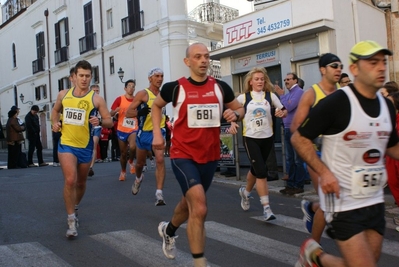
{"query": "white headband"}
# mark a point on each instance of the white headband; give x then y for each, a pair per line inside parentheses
(155, 70)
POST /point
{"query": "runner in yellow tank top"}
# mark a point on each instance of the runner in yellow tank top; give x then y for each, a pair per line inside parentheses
(77, 111)
(75, 149)
(141, 108)
(330, 68)
(147, 122)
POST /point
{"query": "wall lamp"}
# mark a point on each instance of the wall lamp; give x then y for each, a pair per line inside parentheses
(22, 97)
(121, 73)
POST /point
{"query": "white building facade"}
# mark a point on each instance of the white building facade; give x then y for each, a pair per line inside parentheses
(290, 35)
(46, 39)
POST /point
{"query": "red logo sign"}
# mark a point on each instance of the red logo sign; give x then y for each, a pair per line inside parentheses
(353, 135)
(371, 156)
(238, 32)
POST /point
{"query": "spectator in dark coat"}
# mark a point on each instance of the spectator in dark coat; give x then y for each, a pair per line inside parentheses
(33, 135)
(1, 131)
(14, 139)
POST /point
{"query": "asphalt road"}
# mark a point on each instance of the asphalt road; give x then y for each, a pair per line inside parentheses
(119, 229)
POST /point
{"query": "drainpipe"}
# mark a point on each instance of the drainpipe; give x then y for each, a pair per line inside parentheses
(355, 21)
(48, 56)
(102, 49)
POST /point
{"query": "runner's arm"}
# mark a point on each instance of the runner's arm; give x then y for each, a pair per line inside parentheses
(156, 116)
(138, 99)
(302, 111)
(56, 111)
(106, 120)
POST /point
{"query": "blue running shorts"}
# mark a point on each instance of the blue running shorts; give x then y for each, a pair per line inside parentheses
(144, 139)
(124, 136)
(84, 155)
(190, 173)
(96, 131)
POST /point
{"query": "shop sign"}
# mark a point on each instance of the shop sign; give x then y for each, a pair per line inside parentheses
(256, 59)
(258, 24)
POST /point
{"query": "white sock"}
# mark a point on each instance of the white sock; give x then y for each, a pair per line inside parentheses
(71, 216)
(246, 193)
(264, 200)
(158, 191)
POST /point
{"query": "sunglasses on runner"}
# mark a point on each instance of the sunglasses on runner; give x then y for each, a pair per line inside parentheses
(336, 65)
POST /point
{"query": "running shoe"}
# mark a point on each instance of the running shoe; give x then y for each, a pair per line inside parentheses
(152, 163)
(144, 168)
(244, 199)
(268, 214)
(159, 200)
(136, 185)
(308, 214)
(122, 176)
(200, 262)
(72, 228)
(132, 167)
(308, 249)
(168, 244)
(91, 172)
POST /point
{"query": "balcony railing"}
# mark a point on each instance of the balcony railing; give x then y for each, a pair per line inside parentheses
(213, 12)
(87, 43)
(61, 55)
(132, 23)
(38, 65)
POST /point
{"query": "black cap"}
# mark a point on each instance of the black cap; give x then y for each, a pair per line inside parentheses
(327, 59)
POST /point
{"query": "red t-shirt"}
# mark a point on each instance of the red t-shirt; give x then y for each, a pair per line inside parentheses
(189, 139)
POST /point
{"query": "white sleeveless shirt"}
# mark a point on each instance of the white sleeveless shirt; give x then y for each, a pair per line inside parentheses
(356, 157)
(257, 120)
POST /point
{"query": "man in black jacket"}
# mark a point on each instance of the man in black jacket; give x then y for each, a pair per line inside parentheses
(33, 135)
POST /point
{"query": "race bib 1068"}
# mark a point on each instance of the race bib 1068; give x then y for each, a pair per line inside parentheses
(203, 115)
(74, 116)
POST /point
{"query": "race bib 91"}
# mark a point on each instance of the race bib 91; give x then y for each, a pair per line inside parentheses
(367, 180)
(258, 124)
(74, 116)
(203, 115)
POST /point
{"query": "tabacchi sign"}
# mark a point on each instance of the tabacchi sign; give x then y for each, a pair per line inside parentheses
(261, 23)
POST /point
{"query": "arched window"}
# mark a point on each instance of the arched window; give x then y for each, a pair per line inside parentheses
(14, 56)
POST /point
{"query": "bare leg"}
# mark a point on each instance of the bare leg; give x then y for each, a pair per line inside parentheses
(132, 147)
(69, 170)
(141, 156)
(95, 143)
(251, 180)
(160, 168)
(83, 169)
(123, 157)
(319, 222)
(196, 203)
(370, 241)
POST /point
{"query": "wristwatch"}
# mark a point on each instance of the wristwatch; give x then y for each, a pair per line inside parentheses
(237, 115)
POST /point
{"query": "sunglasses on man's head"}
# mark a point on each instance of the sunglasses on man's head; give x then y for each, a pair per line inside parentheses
(336, 65)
